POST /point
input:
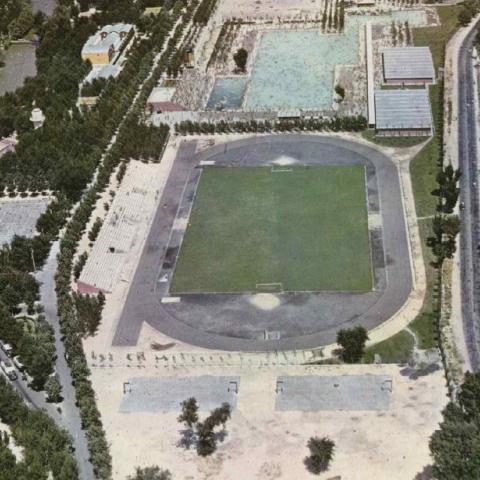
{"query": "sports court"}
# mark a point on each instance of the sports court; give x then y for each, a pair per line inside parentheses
(19, 216)
(277, 229)
(150, 394)
(308, 393)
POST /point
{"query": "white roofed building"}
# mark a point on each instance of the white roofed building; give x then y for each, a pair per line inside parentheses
(403, 113)
(123, 231)
(101, 48)
(408, 66)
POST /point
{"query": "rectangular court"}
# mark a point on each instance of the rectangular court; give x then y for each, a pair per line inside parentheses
(19, 217)
(281, 228)
(149, 394)
(344, 392)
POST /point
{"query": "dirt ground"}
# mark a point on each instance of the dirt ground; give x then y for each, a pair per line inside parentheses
(265, 444)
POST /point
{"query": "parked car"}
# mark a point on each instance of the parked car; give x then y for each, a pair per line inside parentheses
(8, 369)
(7, 348)
(18, 363)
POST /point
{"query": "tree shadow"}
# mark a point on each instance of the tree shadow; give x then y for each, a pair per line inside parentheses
(313, 467)
(221, 436)
(188, 439)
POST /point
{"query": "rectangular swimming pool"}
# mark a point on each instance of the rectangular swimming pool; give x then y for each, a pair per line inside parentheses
(295, 69)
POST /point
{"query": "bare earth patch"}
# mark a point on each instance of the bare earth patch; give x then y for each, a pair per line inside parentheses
(263, 443)
(265, 301)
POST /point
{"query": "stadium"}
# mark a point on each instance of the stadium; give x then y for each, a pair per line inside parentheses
(272, 243)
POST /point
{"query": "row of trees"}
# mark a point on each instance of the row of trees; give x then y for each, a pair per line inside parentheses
(335, 124)
(470, 8)
(204, 11)
(89, 312)
(455, 446)
(47, 449)
(333, 17)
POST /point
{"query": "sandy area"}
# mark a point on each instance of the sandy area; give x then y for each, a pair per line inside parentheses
(14, 448)
(266, 444)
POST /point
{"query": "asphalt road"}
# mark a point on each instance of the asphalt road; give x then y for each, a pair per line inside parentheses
(70, 415)
(470, 237)
(207, 322)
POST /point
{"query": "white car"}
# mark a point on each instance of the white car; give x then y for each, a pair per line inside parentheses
(7, 348)
(18, 363)
(8, 369)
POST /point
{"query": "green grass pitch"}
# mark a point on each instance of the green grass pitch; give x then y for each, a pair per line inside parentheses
(306, 228)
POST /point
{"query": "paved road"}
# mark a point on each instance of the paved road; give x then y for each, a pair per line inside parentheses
(306, 320)
(70, 417)
(470, 238)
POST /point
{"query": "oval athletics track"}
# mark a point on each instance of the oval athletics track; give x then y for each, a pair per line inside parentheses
(300, 320)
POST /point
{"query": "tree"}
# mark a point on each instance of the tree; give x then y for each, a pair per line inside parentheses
(241, 58)
(93, 233)
(321, 454)
(53, 389)
(220, 415)
(151, 473)
(202, 433)
(455, 447)
(189, 414)
(206, 442)
(352, 342)
(340, 91)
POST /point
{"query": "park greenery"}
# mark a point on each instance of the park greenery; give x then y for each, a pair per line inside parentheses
(320, 454)
(93, 88)
(352, 343)
(47, 450)
(53, 389)
(32, 340)
(203, 434)
(151, 473)
(455, 446)
(16, 18)
(63, 155)
(470, 8)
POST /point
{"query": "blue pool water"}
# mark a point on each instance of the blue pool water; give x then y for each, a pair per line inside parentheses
(295, 69)
(227, 93)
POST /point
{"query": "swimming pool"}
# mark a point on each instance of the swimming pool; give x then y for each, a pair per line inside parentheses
(295, 69)
(227, 93)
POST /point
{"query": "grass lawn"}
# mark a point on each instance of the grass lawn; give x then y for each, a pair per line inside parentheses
(396, 349)
(306, 229)
(399, 142)
(425, 166)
